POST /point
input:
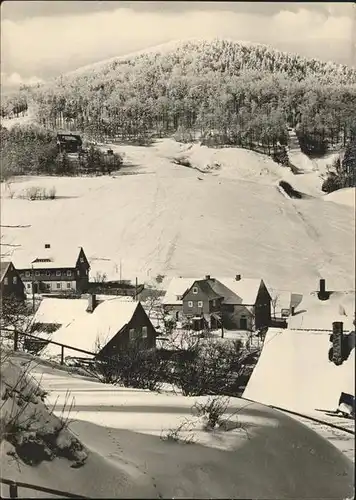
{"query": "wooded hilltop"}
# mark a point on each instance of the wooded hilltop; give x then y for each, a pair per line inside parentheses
(220, 92)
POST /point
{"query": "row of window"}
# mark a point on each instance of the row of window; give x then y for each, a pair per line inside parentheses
(68, 273)
(14, 280)
(191, 303)
(48, 286)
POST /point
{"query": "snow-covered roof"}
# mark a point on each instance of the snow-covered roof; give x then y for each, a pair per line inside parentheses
(246, 288)
(243, 291)
(64, 311)
(313, 313)
(176, 289)
(3, 269)
(85, 329)
(66, 256)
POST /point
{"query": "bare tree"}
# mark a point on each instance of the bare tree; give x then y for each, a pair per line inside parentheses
(100, 277)
(274, 302)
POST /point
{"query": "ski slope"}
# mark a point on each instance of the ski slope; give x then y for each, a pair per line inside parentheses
(294, 372)
(168, 219)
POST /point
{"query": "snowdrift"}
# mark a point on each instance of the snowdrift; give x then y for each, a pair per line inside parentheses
(346, 196)
(122, 428)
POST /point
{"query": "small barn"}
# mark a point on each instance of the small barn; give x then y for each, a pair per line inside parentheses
(104, 327)
(69, 143)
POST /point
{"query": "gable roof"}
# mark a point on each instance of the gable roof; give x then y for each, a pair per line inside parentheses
(207, 288)
(244, 291)
(4, 266)
(84, 329)
(53, 257)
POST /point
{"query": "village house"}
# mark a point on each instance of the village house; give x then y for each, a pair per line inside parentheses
(105, 326)
(11, 285)
(232, 303)
(69, 143)
(54, 271)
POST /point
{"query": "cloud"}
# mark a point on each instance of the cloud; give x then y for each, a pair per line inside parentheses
(48, 46)
(15, 80)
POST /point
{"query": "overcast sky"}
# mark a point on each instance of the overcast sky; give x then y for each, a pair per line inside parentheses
(42, 39)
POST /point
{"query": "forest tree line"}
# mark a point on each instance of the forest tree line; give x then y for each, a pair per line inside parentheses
(33, 150)
(220, 92)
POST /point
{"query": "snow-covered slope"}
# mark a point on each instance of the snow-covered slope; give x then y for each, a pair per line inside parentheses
(175, 220)
(345, 196)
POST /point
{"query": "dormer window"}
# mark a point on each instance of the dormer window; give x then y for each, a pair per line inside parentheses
(69, 273)
(195, 290)
(81, 259)
(58, 273)
(179, 297)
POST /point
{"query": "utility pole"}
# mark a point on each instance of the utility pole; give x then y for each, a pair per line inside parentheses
(33, 290)
(136, 286)
(353, 35)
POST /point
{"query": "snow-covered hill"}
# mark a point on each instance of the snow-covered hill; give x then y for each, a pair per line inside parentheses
(174, 220)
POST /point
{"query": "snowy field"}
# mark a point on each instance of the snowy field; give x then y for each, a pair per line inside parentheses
(173, 220)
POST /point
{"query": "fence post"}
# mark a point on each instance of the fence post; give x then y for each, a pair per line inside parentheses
(62, 355)
(16, 340)
(13, 490)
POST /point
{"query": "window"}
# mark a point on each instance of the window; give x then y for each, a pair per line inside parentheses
(144, 332)
(27, 274)
(69, 273)
(58, 273)
(200, 303)
(28, 285)
(132, 334)
(48, 273)
(69, 285)
(78, 272)
(6, 281)
(58, 286)
(214, 303)
(48, 286)
(37, 273)
(14, 280)
(195, 290)
(82, 259)
(190, 303)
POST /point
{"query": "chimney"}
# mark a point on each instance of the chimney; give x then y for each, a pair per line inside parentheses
(292, 310)
(91, 302)
(238, 277)
(207, 276)
(322, 293)
(47, 245)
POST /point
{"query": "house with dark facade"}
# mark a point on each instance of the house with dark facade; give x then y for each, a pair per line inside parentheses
(103, 325)
(11, 285)
(51, 270)
(233, 303)
(69, 143)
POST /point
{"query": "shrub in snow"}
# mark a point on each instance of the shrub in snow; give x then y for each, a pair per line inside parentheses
(29, 430)
(212, 411)
(134, 367)
(210, 368)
